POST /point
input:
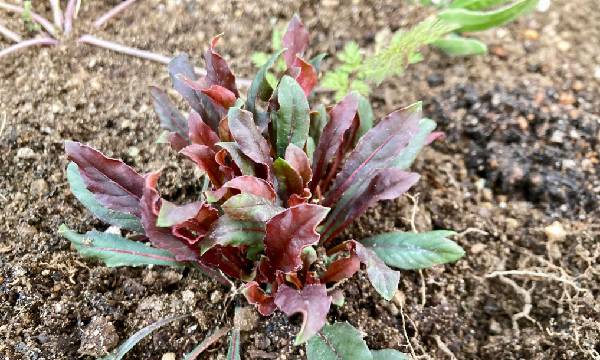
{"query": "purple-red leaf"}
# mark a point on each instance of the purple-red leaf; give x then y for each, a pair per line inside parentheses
(176, 141)
(190, 222)
(217, 70)
(312, 302)
(297, 158)
(161, 237)
(246, 184)
(377, 149)
(204, 157)
(113, 183)
(307, 75)
(221, 95)
(168, 114)
(295, 40)
(341, 269)
(200, 133)
(341, 120)
(249, 138)
(383, 279)
(387, 184)
(291, 231)
(181, 68)
(288, 180)
(256, 296)
(229, 259)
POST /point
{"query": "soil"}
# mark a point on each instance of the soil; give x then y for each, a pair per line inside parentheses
(521, 154)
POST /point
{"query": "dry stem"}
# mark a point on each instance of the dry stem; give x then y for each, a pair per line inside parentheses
(11, 35)
(36, 17)
(112, 12)
(28, 43)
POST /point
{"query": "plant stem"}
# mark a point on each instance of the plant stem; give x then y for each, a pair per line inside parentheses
(56, 13)
(11, 35)
(36, 17)
(92, 40)
(27, 43)
(69, 15)
(112, 12)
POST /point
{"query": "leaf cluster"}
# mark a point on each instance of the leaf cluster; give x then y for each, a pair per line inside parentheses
(282, 180)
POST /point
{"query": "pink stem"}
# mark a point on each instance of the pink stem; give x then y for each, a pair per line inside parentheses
(10, 34)
(56, 13)
(148, 55)
(36, 17)
(69, 15)
(112, 12)
(27, 43)
(92, 40)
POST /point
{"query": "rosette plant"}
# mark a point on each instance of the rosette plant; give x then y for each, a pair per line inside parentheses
(282, 181)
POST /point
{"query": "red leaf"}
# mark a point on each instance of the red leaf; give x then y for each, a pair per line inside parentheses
(176, 141)
(249, 138)
(295, 40)
(296, 199)
(307, 76)
(217, 70)
(377, 149)
(290, 231)
(161, 237)
(221, 95)
(113, 183)
(168, 114)
(297, 158)
(256, 296)
(180, 68)
(230, 260)
(190, 222)
(386, 185)
(204, 157)
(312, 302)
(223, 130)
(341, 120)
(341, 269)
(200, 132)
(247, 184)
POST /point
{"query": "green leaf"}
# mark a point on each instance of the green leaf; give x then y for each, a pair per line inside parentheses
(249, 207)
(471, 20)
(476, 4)
(292, 117)
(276, 39)
(259, 58)
(340, 341)
(115, 250)
(365, 116)
(460, 46)
(408, 250)
(124, 348)
(233, 352)
(350, 56)
(361, 87)
(337, 81)
(242, 161)
(318, 120)
(409, 154)
(316, 61)
(112, 217)
(229, 231)
(288, 179)
(260, 87)
(389, 354)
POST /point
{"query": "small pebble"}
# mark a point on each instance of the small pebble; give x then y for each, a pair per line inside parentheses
(215, 297)
(435, 79)
(531, 34)
(25, 153)
(38, 187)
(555, 232)
(563, 46)
(169, 356)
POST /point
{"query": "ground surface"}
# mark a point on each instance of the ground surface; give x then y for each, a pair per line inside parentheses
(521, 152)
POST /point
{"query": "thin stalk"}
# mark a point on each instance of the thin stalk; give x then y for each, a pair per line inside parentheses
(56, 13)
(92, 40)
(11, 35)
(70, 14)
(112, 12)
(36, 17)
(28, 43)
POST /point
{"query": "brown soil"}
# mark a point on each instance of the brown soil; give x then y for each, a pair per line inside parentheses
(521, 153)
